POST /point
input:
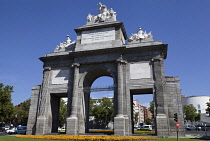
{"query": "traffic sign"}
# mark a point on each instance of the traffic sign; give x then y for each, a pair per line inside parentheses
(177, 124)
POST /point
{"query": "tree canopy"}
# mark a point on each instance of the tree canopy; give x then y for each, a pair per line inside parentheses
(6, 106)
(149, 121)
(151, 108)
(62, 115)
(190, 113)
(21, 113)
(102, 110)
(136, 117)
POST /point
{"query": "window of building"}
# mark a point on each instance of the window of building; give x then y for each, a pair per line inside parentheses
(199, 106)
(199, 111)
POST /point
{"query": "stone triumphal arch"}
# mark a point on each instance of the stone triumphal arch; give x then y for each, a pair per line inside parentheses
(102, 48)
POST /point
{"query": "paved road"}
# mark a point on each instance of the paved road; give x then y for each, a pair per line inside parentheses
(201, 133)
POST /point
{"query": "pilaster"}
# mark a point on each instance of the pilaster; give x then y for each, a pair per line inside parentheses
(44, 120)
(162, 125)
(32, 116)
(119, 120)
(72, 121)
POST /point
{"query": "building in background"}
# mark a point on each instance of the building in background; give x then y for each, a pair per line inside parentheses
(143, 112)
(147, 113)
(199, 102)
(138, 108)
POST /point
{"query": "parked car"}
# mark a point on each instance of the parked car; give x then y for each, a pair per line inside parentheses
(21, 130)
(61, 129)
(199, 127)
(206, 128)
(6, 127)
(190, 127)
(2, 129)
(146, 128)
(11, 131)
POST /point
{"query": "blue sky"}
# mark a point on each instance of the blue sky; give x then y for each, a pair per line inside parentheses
(31, 28)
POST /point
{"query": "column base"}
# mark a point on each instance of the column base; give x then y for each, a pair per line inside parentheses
(162, 125)
(72, 126)
(128, 127)
(119, 126)
(42, 127)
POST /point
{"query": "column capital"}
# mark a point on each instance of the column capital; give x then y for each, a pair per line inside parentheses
(47, 68)
(156, 59)
(120, 61)
(75, 65)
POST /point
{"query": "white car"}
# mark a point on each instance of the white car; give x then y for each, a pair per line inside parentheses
(146, 128)
(11, 131)
(6, 127)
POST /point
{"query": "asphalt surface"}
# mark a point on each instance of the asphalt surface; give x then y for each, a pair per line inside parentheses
(200, 133)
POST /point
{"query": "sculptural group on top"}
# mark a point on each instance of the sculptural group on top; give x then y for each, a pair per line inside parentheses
(104, 15)
(65, 44)
(141, 36)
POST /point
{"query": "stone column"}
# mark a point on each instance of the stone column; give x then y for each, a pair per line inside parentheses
(32, 116)
(72, 121)
(119, 120)
(44, 120)
(174, 103)
(81, 112)
(161, 117)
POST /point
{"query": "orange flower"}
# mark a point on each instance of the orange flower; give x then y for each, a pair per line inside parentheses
(87, 138)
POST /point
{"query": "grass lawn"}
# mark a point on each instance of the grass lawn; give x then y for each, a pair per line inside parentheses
(180, 139)
(13, 138)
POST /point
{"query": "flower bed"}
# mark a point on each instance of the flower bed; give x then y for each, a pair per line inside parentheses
(87, 138)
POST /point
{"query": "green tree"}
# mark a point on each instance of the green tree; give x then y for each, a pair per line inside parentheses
(21, 113)
(62, 115)
(149, 121)
(208, 108)
(6, 106)
(190, 113)
(136, 117)
(151, 108)
(92, 102)
(103, 111)
(197, 116)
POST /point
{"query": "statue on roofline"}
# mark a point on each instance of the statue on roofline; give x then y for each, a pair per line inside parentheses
(141, 36)
(103, 16)
(65, 44)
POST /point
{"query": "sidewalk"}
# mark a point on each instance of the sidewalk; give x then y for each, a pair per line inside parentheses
(207, 138)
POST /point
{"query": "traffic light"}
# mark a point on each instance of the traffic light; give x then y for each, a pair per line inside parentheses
(175, 117)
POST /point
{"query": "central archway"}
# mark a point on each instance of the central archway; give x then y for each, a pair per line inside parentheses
(101, 111)
(89, 78)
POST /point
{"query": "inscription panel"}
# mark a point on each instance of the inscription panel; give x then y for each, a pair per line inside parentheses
(140, 70)
(60, 76)
(98, 35)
